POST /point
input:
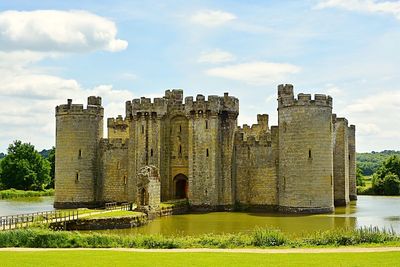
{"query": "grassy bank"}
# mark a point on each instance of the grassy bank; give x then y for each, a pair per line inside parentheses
(114, 214)
(13, 193)
(120, 258)
(260, 237)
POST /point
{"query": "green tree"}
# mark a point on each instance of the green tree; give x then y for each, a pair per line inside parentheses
(360, 177)
(52, 160)
(24, 168)
(386, 180)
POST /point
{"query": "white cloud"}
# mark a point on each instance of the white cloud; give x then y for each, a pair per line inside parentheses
(57, 31)
(333, 90)
(370, 6)
(256, 73)
(377, 120)
(212, 18)
(28, 102)
(216, 56)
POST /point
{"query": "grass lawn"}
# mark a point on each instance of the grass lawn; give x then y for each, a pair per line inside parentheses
(14, 193)
(122, 258)
(114, 213)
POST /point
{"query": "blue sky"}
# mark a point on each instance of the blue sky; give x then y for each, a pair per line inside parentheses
(54, 50)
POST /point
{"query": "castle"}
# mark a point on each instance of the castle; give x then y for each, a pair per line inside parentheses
(305, 164)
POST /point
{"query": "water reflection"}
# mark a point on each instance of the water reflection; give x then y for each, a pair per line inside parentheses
(25, 205)
(383, 212)
(380, 211)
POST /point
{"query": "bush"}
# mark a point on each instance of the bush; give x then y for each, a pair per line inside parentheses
(262, 237)
(386, 180)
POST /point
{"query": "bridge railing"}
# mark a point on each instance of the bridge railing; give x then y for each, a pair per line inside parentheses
(24, 220)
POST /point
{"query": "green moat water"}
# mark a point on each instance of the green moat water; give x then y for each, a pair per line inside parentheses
(383, 212)
(380, 211)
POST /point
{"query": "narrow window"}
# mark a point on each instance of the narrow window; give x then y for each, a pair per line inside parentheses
(151, 152)
(79, 153)
(248, 152)
(180, 128)
(180, 149)
(206, 124)
(309, 153)
(207, 152)
(142, 129)
(77, 177)
(124, 180)
(349, 157)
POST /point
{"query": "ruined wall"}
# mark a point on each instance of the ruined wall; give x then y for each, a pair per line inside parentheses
(341, 162)
(256, 157)
(114, 170)
(352, 162)
(305, 152)
(78, 132)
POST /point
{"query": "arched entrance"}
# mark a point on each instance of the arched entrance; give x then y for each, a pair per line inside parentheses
(181, 186)
(144, 199)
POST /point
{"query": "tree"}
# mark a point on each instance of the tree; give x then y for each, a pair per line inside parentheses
(24, 168)
(386, 180)
(52, 160)
(360, 177)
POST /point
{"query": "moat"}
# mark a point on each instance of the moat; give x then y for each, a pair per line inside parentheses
(380, 211)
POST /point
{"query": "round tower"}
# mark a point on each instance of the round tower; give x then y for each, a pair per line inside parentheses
(78, 132)
(305, 152)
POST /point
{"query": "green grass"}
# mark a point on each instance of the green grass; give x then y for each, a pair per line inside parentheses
(260, 237)
(122, 258)
(174, 203)
(113, 214)
(13, 193)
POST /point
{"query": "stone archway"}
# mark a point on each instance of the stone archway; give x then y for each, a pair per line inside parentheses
(181, 186)
(144, 197)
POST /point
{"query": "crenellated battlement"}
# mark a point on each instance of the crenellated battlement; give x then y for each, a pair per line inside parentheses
(93, 107)
(286, 98)
(145, 105)
(118, 122)
(114, 143)
(214, 104)
(256, 134)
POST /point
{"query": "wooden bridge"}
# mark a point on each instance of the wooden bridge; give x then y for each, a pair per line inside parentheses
(56, 216)
(24, 220)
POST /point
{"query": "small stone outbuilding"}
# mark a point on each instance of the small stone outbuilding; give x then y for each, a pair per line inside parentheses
(148, 188)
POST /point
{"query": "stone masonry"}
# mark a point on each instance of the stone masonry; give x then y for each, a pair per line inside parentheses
(305, 164)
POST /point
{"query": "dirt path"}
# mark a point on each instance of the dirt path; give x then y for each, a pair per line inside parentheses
(250, 250)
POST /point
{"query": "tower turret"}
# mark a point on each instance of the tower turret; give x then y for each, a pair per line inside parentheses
(305, 151)
(78, 132)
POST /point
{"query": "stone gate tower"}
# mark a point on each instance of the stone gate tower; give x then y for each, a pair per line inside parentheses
(305, 151)
(78, 132)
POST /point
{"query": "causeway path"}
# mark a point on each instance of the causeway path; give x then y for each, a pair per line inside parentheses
(211, 250)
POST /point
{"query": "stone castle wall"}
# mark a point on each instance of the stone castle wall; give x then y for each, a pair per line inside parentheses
(305, 151)
(341, 162)
(114, 170)
(78, 132)
(256, 171)
(203, 155)
(352, 162)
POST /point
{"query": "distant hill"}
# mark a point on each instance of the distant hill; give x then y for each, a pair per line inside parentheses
(370, 162)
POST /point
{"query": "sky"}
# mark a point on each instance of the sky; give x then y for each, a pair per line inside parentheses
(120, 50)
